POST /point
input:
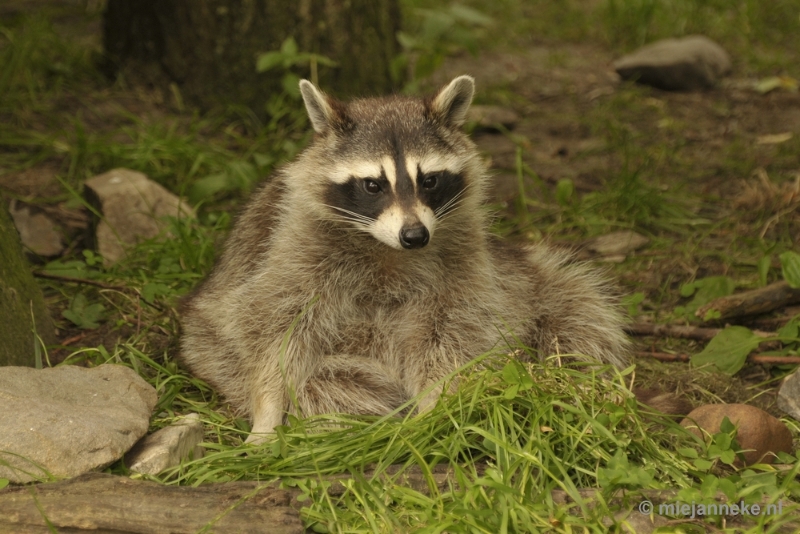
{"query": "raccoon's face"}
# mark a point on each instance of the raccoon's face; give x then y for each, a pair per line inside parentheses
(395, 171)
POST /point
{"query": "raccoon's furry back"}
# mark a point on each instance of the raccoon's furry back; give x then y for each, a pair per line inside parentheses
(364, 272)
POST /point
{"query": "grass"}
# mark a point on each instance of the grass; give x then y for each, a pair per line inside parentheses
(512, 432)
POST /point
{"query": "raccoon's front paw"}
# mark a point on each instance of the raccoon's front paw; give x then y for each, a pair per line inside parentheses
(264, 425)
(428, 401)
(257, 438)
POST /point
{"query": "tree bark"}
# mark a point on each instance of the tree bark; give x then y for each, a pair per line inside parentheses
(755, 301)
(209, 49)
(20, 301)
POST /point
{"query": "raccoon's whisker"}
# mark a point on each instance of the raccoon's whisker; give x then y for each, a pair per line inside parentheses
(358, 223)
(451, 204)
(353, 216)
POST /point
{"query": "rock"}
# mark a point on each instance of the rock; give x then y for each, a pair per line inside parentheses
(489, 117)
(757, 430)
(167, 447)
(69, 419)
(133, 209)
(36, 230)
(690, 63)
(789, 396)
(617, 244)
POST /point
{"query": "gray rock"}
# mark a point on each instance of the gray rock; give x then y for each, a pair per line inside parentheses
(690, 63)
(489, 117)
(617, 244)
(68, 420)
(167, 447)
(133, 209)
(36, 230)
(789, 396)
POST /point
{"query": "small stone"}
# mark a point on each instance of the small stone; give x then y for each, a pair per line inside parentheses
(759, 434)
(489, 117)
(167, 447)
(36, 230)
(69, 420)
(133, 209)
(617, 244)
(789, 396)
(690, 63)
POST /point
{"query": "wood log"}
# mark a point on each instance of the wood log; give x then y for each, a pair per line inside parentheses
(99, 502)
(107, 503)
(752, 302)
(110, 504)
(672, 330)
(753, 358)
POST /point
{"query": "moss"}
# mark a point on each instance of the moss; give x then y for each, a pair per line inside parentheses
(19, 298)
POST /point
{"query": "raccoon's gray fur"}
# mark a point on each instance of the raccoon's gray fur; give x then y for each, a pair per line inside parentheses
(364, 272)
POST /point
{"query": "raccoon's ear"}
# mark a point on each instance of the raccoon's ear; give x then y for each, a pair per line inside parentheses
(322, 115)
(452, 101)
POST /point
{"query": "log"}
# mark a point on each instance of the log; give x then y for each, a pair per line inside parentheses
(101, 502)
(752, 302)
(753, 358)
(672, 330)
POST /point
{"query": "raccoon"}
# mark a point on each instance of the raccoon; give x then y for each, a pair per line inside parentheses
(364, 272)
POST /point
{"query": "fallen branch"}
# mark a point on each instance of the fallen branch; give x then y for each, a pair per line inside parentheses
(85, 281)
(753, 358)
(97, 501)
(672, 330)
(752, 302)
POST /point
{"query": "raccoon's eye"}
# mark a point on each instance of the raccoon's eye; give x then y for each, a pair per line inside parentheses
(430, 181)
(372, 187)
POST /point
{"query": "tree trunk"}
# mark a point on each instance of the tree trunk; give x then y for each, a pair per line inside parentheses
(20, 300)
(209, 49)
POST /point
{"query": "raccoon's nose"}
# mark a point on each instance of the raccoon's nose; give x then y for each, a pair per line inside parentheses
(414, 237)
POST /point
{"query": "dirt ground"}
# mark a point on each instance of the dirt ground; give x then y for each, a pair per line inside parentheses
(708, 151)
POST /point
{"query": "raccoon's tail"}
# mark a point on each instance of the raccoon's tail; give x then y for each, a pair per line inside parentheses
(663, 401)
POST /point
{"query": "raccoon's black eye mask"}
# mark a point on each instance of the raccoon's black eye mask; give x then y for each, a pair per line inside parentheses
(437, 189)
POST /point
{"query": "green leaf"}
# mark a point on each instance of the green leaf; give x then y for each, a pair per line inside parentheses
(619, 472)
(151, 290)
(511, 373)
(688, 452)
(564, 191)
(728, 457)
(790, 267)
(790, 331)
(4, 482)
(725, 427)
(291, 84)
(706, 290)
(208, 186)
(289, 47)
(632, 303)
(688, 289)
(268, 60)
(511, 392)
(727, 487)
(70, 269)
(728, 350)
(763, 269)
(703, 465)
(83, 314)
